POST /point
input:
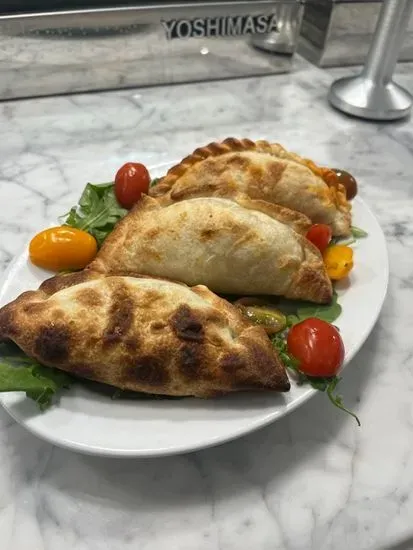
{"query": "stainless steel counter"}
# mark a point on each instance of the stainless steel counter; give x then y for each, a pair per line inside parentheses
(339, 32)
(146, 44)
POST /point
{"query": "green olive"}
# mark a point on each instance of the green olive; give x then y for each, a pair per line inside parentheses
(270, 318)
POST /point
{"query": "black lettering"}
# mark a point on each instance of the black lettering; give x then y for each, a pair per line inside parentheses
(272, 26)
(249, 26)
(219, 26)
(212, 26)
(199, 28)
(223, 22)
(183, 29)
(234, 26)
(261, 24)
(169, 27)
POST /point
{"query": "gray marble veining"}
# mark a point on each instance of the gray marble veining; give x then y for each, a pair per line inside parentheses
(313, 480)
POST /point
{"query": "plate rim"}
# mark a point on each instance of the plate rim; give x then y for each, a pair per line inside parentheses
(213, 441)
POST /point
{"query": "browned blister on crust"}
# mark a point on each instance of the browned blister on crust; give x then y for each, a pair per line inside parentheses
(232, 246)
(264, 171)
(143, 334)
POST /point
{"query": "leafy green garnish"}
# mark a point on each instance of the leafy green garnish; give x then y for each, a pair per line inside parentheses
(329, 312)
(327, 385)
(358, 233)
(98, 211)
(279, 341)
(154, 182)
(337, 400)
(20, 373)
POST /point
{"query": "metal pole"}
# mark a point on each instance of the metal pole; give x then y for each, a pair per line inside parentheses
(373, 94)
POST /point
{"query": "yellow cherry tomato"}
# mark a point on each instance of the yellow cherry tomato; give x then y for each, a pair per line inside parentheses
(61, 248)
(338, 260)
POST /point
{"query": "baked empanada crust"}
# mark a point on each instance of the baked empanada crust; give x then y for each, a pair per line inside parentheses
(260, 170)
(229, 246)
(143, 334)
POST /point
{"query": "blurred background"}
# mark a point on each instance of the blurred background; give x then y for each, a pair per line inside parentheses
(64, 46)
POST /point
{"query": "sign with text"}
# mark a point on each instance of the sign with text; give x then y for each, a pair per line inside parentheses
(209, 27)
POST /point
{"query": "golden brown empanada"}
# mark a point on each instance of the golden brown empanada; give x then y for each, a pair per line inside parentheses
(143, 334)
(263, 171)
(231, 247)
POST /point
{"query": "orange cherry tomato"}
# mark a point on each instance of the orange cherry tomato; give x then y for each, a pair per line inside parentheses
(320, 235)
(318, 347)
(338, 260)
(131, 180)
(61, 248)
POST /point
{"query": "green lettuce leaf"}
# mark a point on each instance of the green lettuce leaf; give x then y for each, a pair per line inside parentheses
(329, 312)
(154, 182)
(98, 211)
(326, 385)
(20, 373)
(358, 233)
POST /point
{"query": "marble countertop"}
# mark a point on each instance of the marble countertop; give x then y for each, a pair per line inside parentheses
(313, 480)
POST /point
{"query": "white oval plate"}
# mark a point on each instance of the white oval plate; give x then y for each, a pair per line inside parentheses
(88, 422)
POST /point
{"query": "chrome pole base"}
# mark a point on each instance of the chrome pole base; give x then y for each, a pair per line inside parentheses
(361, 97)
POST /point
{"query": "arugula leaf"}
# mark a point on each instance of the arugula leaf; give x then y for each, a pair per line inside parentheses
(334, 241)
(20, 373)
(326, 384)
(94, 192)
(337, 400)
(320, 384)
(358, 233)
(329, 312)
(329, 385)
(292, 320)
(279, 341)
(98, 211)
(297, 311)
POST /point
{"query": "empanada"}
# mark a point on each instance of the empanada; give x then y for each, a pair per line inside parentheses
(264, 171)
(231, 247)
(143, 334)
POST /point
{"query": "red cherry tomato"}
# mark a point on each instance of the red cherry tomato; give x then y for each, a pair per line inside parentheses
(131, 180)
(320, 235)
(318, 347)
